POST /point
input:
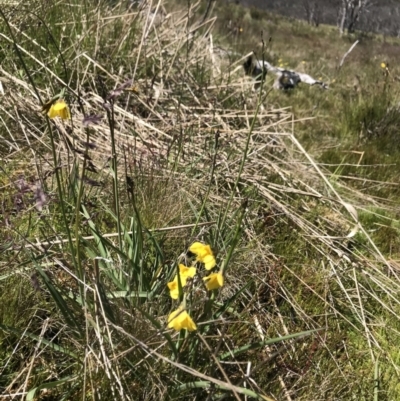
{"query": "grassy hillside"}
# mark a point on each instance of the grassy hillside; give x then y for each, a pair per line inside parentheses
(379, 17)
(168, 150)
(358, 113)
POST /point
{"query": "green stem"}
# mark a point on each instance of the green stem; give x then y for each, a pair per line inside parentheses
(236, 237)
(210, 182)
(114, 164)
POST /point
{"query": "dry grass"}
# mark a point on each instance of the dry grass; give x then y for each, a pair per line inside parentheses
(206, 158)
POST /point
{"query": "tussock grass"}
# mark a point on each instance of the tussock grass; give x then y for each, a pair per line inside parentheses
(181, 149)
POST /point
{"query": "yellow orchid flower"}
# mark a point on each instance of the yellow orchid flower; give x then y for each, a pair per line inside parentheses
(184, 273)
(204, 254)
(383, 65)
(214, 281)
(179, 319)
(174, 288)
(59, 109)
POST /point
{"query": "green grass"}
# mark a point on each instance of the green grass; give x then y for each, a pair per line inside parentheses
(295, 192)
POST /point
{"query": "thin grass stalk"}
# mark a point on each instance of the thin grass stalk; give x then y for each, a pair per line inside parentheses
(376, 380)
(214, 162)
(236, 237)
(78, 218)
(245, 152)
(138, 243)
(114, 164)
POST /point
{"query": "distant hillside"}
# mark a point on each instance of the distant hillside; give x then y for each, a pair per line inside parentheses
(382, 16)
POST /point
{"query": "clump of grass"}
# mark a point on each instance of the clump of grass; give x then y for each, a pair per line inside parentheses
(168, 146)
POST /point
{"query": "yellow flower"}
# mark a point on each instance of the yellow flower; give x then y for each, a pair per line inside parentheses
(180, 319)
(204, 254)
(59, 109)
(383, 65)
(214, 281)
(209, 261)
(174, 288)
(303, 62)
(184, 273)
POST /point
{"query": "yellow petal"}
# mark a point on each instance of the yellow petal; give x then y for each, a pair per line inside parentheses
(214, 281)
(188, 323)
(209, 262)
(187, 271)
(64, 114)
(173, 319)
(204, 254)
(173, 288)
(199, 249)
(59, 109)
(180, 319)
(51, 113)
(184, 274)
